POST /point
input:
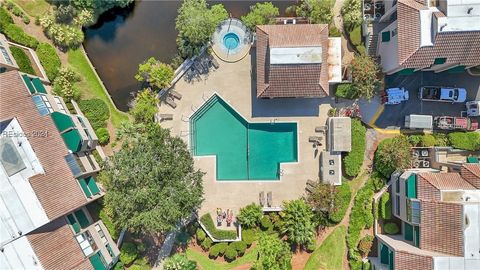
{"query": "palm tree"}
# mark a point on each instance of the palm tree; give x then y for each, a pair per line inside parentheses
(297, 222)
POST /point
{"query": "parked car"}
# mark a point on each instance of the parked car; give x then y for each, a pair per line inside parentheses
(393, 96)
(416, 121)
(442, 94)
(455, 123)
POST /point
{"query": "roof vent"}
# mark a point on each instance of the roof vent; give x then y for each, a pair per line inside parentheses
(331, 172)
(443, 26)
(469, 10)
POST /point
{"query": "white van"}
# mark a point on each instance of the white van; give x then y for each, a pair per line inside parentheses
(416, 121)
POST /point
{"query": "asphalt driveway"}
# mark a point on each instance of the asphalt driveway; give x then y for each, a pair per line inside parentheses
(394, 115)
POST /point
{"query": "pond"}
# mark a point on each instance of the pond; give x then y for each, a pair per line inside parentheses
(123, 38)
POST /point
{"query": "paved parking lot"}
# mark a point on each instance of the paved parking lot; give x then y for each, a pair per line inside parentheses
(394, 115)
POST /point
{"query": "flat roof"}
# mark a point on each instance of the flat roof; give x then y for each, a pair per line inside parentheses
(331, 168)
(296, 55)
(340, 130)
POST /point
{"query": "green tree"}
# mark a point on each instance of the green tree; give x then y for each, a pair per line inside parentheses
(322, 199)
(391, 154)
(364, 76)
(130, 132)
(145, 107)
(352, 14)
(260, 14)
(155, 73)
(297, 222)
(64, 84)
(273, 254)
(152, 183)
(250, 215)
(318, 11)
(179, 262)
(195, 24)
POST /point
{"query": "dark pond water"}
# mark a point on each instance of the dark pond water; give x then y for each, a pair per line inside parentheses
(123, 38)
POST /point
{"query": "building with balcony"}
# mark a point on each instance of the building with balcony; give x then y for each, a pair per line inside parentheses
(47, 176)
(430, 35)
(440, 217)
(7, 61)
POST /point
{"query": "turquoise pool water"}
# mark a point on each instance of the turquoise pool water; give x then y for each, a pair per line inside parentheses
(231, 41)
(245, 151)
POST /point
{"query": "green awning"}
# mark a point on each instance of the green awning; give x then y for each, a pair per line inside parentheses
(472, 159)
(97, 261)
(92, 185)
(73, 222)
(83, 185)
(73, 140)
(411, 186)
(29, 84)
(62, 121)
(82, 218)
(39, 86)
(384, 254)
(408, 234)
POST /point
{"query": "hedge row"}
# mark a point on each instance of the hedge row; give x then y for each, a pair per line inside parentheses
(17, 35)
(465, 140)
(342, 200)
(22, 60)
(354, 159)
(385, 206)
(5, 19)
(49, 59)
(207, 221)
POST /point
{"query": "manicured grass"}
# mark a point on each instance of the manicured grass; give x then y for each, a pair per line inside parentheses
(91, 87)
(34, 7)
(208, 264)
(330, 254)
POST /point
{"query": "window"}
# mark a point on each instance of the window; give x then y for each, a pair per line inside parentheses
(86, 243)
(397, 185)
(394, 32)
(60, 105)
(6, 56)
(386, 36)
(439, 61)
(73, 165)
(42, 104)
(397, 205)
(413, 211)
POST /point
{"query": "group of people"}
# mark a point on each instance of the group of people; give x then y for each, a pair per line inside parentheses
(224, 215)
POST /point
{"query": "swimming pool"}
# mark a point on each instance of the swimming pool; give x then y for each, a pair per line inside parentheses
(244, 151)
(231, 41)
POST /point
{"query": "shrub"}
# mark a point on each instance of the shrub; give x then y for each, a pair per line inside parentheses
(361, 215)
(96, 110)
(361, 49)
(352, 14)
(230, 253)
(128, 252)
(391, 154)
(119, 266)
(62, 35)
(354, 159)
(103, 136)
(200, 234)
(207, 243)
(333, 31)
(266, 223)
(64, 85)
(365, 245)
(248, 236)
(17, 11)
(365, 80)
(311, 247)
(385, 206)
(207, 221)
(465, 140)
(5, 19)
(345, 90)
(250, 215)
(37, 20)
(428, 140)
(391, 228)
(441, 139)
(49, 59)
(16, 34)
(342, 200)
(26, 19)
(276, 220)
(415, 140)
(218, 250)
(356, 36)
(240, 247)
(178, 262)
(107, 221)
(9, 4)
(22, 60)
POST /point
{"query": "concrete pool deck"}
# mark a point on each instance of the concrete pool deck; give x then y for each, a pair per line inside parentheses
(234, 83)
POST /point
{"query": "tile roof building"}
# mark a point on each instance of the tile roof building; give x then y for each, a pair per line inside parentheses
(440, 217)
(47, 175)
(430, 35)
(296, 60)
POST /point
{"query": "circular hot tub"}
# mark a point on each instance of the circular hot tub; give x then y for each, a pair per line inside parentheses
(231, 41)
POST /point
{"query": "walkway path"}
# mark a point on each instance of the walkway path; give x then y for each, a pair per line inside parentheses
(347, 51)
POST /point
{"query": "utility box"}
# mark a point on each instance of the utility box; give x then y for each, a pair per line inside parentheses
(416, 121)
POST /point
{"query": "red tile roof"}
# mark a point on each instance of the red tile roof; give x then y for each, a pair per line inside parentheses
(406, 260)
(291, 80)
(56, 247)
(471, 173)
(456, 47)
(446, 181)
(57, 189)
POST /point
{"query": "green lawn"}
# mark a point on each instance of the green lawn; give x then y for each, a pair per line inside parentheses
(91, 87)
(206, 263)
(34, 7)
(330, 254)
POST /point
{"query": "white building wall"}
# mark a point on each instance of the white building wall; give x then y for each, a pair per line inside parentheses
(388, 51)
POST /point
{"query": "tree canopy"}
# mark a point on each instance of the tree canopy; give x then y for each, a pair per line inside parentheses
(297, 223)
(152, 183)
(145, 106)
(318, 11)
(391, 154)
(195, 24)
(364, 76)
(260, 14)
(155, 73)
(273, 254)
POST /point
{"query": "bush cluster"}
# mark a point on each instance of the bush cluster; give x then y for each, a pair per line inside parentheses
(49, 59)
(345, 90)
(207, 221)
(354, 159)
(17, 35)
(266, 223)
(5, 19)
(22, 60)
(103, 136)
(342, 200)
(365, 245)
(96, 110)
(465, 140)
(217, 250)
(248, 236)
(385, 206)
(64, 84)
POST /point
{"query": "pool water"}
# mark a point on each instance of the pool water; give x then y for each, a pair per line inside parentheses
(231, 41)
(244, 151)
